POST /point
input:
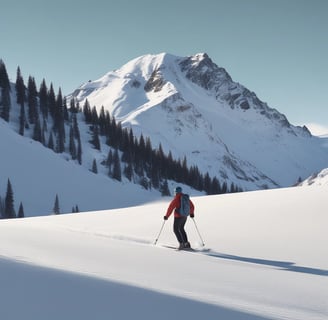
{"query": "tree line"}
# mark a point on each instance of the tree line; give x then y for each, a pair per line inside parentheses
(136, 159)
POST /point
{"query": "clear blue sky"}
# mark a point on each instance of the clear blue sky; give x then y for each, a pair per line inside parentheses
(276, 48)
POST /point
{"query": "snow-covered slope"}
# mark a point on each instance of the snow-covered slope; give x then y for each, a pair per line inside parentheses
(268, 260)
(317, 179)
(193, 108)
(37, 174)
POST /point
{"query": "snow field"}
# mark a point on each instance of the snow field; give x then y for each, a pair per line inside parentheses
(267, 261)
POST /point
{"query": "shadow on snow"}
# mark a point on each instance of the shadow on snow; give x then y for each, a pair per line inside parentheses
(284, 265)
(34, 292)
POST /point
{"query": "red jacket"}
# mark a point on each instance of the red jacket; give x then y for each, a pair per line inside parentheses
(175, 204)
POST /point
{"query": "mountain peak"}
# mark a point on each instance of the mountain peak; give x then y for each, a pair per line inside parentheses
(203, 71)
(200, 58)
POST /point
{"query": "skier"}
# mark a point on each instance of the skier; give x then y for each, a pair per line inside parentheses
(179, 220)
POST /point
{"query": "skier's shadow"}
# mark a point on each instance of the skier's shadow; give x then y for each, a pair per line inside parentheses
(283, 265)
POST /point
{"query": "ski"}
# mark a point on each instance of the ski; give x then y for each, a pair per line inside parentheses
(200, 250)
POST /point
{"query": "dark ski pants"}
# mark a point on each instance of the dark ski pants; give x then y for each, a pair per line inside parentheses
(178, 228)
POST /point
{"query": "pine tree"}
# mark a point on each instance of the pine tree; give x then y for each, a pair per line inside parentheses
(170, 164)
(109, 160)
(118, 135)
(43, 99)
(155, 179)
(165, 189)
(73, 106)
(87, 112)
(128, 171)
(207, 183)
(160, 156)
(37, 133)
(22, 120)
(224, 187)
(21, 211)
(142, 144)
(59, 123)
(56, 209)
(9, 202)
(52, 101)
(21, 98)
(44, 131)
(102, 122)
(94, 116)
(95, 141)
(5, 102)
(65, 110)
(76, 133)
(216, 188)
(144, 182)
(20, 88)
(112, 133)
(94, 166)
(76, 129)
(184, 170)
(148, 150)
(32, 100)
(4, 79)
(117, 174)
(51, 144)
(72, 147)
(75, 209)
(2, 208)
(79, 151)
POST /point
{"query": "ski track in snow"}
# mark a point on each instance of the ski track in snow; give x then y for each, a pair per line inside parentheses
(203, 250)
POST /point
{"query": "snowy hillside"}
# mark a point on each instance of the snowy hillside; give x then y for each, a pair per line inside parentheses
(317, 179)
(37, 174)
(194, 109)
(267, 260)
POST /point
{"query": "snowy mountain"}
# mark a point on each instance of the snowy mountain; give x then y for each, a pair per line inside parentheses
(193, 108)
(267, 260)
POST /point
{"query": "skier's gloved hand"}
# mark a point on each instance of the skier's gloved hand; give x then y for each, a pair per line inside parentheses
(192, 215)
(165, 218)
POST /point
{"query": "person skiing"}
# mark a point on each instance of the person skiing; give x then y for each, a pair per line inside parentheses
(179, 220)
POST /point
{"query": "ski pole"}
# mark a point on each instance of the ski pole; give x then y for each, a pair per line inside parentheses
(160, 231)
(203, 244)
